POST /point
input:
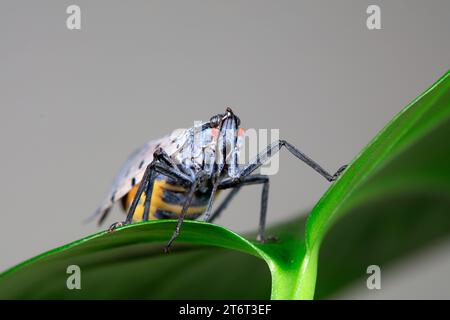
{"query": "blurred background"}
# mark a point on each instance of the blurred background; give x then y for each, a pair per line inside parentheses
(75, 103)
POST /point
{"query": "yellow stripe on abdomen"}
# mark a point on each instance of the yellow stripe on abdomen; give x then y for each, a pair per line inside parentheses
(158, 203)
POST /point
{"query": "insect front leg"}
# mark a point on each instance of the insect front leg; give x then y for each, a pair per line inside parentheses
(250, 180)
(272, 149)
(223, 205)
(216, 182)
(186, 205)
(207, 213)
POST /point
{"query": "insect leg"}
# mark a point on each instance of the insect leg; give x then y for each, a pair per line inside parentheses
(249, 180)
(186, 205)
(263, 214)
(155, 167)
(207, 213)
(165, 166)
(141, 188)
(223, 205)
(151, 170)
(162, 168)
(148, 195)
(173, 173)
(228, 132)
(163, 157)
(274, 148)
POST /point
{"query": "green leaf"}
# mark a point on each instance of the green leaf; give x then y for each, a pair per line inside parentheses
(130, 263)
(410, 155)
(389, 201)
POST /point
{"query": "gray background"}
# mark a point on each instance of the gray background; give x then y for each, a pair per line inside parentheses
(75, 103)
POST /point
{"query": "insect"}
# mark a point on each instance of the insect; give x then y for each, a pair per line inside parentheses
(178, 176)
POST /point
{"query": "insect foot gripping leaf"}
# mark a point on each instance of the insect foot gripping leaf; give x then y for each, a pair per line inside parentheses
(407, 160)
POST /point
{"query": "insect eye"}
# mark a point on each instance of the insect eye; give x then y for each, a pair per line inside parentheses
(214, 121)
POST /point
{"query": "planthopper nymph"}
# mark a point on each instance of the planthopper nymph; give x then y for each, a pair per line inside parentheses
(179, 175)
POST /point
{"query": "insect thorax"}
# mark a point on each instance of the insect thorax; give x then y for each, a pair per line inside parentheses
(196, 150)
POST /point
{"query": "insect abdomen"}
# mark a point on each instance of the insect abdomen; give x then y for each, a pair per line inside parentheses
(167, 201)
